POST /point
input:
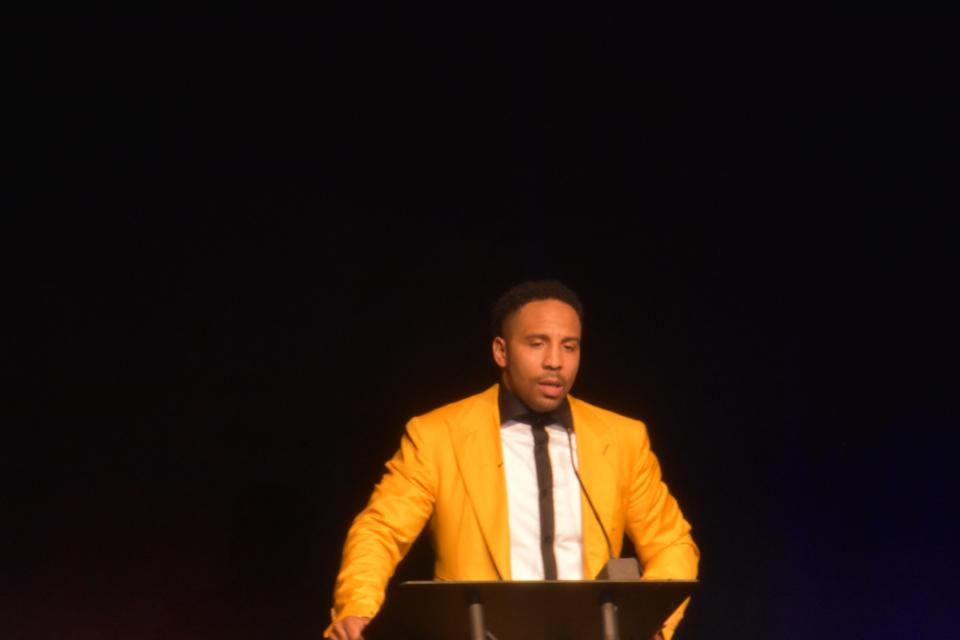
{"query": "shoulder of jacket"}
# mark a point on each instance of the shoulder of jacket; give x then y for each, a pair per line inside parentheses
(458, 410)
(619, 422)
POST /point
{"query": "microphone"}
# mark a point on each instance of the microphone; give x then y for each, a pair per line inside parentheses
(616, 568)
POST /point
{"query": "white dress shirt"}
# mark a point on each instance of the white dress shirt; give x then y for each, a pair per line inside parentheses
(523, 506)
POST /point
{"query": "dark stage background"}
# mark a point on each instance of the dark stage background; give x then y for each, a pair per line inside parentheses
(257, 241)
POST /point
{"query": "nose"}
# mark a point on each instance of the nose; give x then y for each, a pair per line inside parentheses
(552, 359)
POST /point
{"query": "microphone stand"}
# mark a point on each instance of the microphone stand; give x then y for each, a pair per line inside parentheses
(615, 569)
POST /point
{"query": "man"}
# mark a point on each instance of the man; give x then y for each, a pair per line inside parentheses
(493, 474)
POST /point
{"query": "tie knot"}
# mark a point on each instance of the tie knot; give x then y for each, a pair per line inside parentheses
(539, 420)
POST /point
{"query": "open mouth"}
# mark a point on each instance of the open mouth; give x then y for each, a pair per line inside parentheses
(551, 388)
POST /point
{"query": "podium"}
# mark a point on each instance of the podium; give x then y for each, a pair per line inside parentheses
(528, 610)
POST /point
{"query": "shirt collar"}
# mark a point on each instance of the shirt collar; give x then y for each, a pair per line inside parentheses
(512, 408)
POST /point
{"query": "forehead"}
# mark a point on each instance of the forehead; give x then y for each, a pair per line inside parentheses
(551, 317)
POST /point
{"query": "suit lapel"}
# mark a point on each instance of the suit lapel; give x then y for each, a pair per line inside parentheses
(598, 470)
(476, 444)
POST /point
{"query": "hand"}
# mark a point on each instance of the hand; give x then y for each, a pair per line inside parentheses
(350, 628)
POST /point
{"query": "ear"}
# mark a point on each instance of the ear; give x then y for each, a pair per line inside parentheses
(500, 352)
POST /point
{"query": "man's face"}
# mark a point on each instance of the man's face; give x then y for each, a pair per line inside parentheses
(539, 353)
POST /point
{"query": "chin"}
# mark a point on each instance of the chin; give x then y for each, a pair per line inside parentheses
(545, 404)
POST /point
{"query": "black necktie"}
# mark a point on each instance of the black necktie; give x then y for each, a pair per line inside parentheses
(545, 483)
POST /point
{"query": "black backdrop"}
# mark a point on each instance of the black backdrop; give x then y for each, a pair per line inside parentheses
(259, 240)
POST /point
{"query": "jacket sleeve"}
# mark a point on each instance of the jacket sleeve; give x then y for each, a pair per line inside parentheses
(656, 526)
(382, 533)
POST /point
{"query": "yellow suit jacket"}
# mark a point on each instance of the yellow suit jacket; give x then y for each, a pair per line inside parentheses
(449, 471)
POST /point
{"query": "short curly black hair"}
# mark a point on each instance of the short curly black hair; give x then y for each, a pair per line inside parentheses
(529, 291)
